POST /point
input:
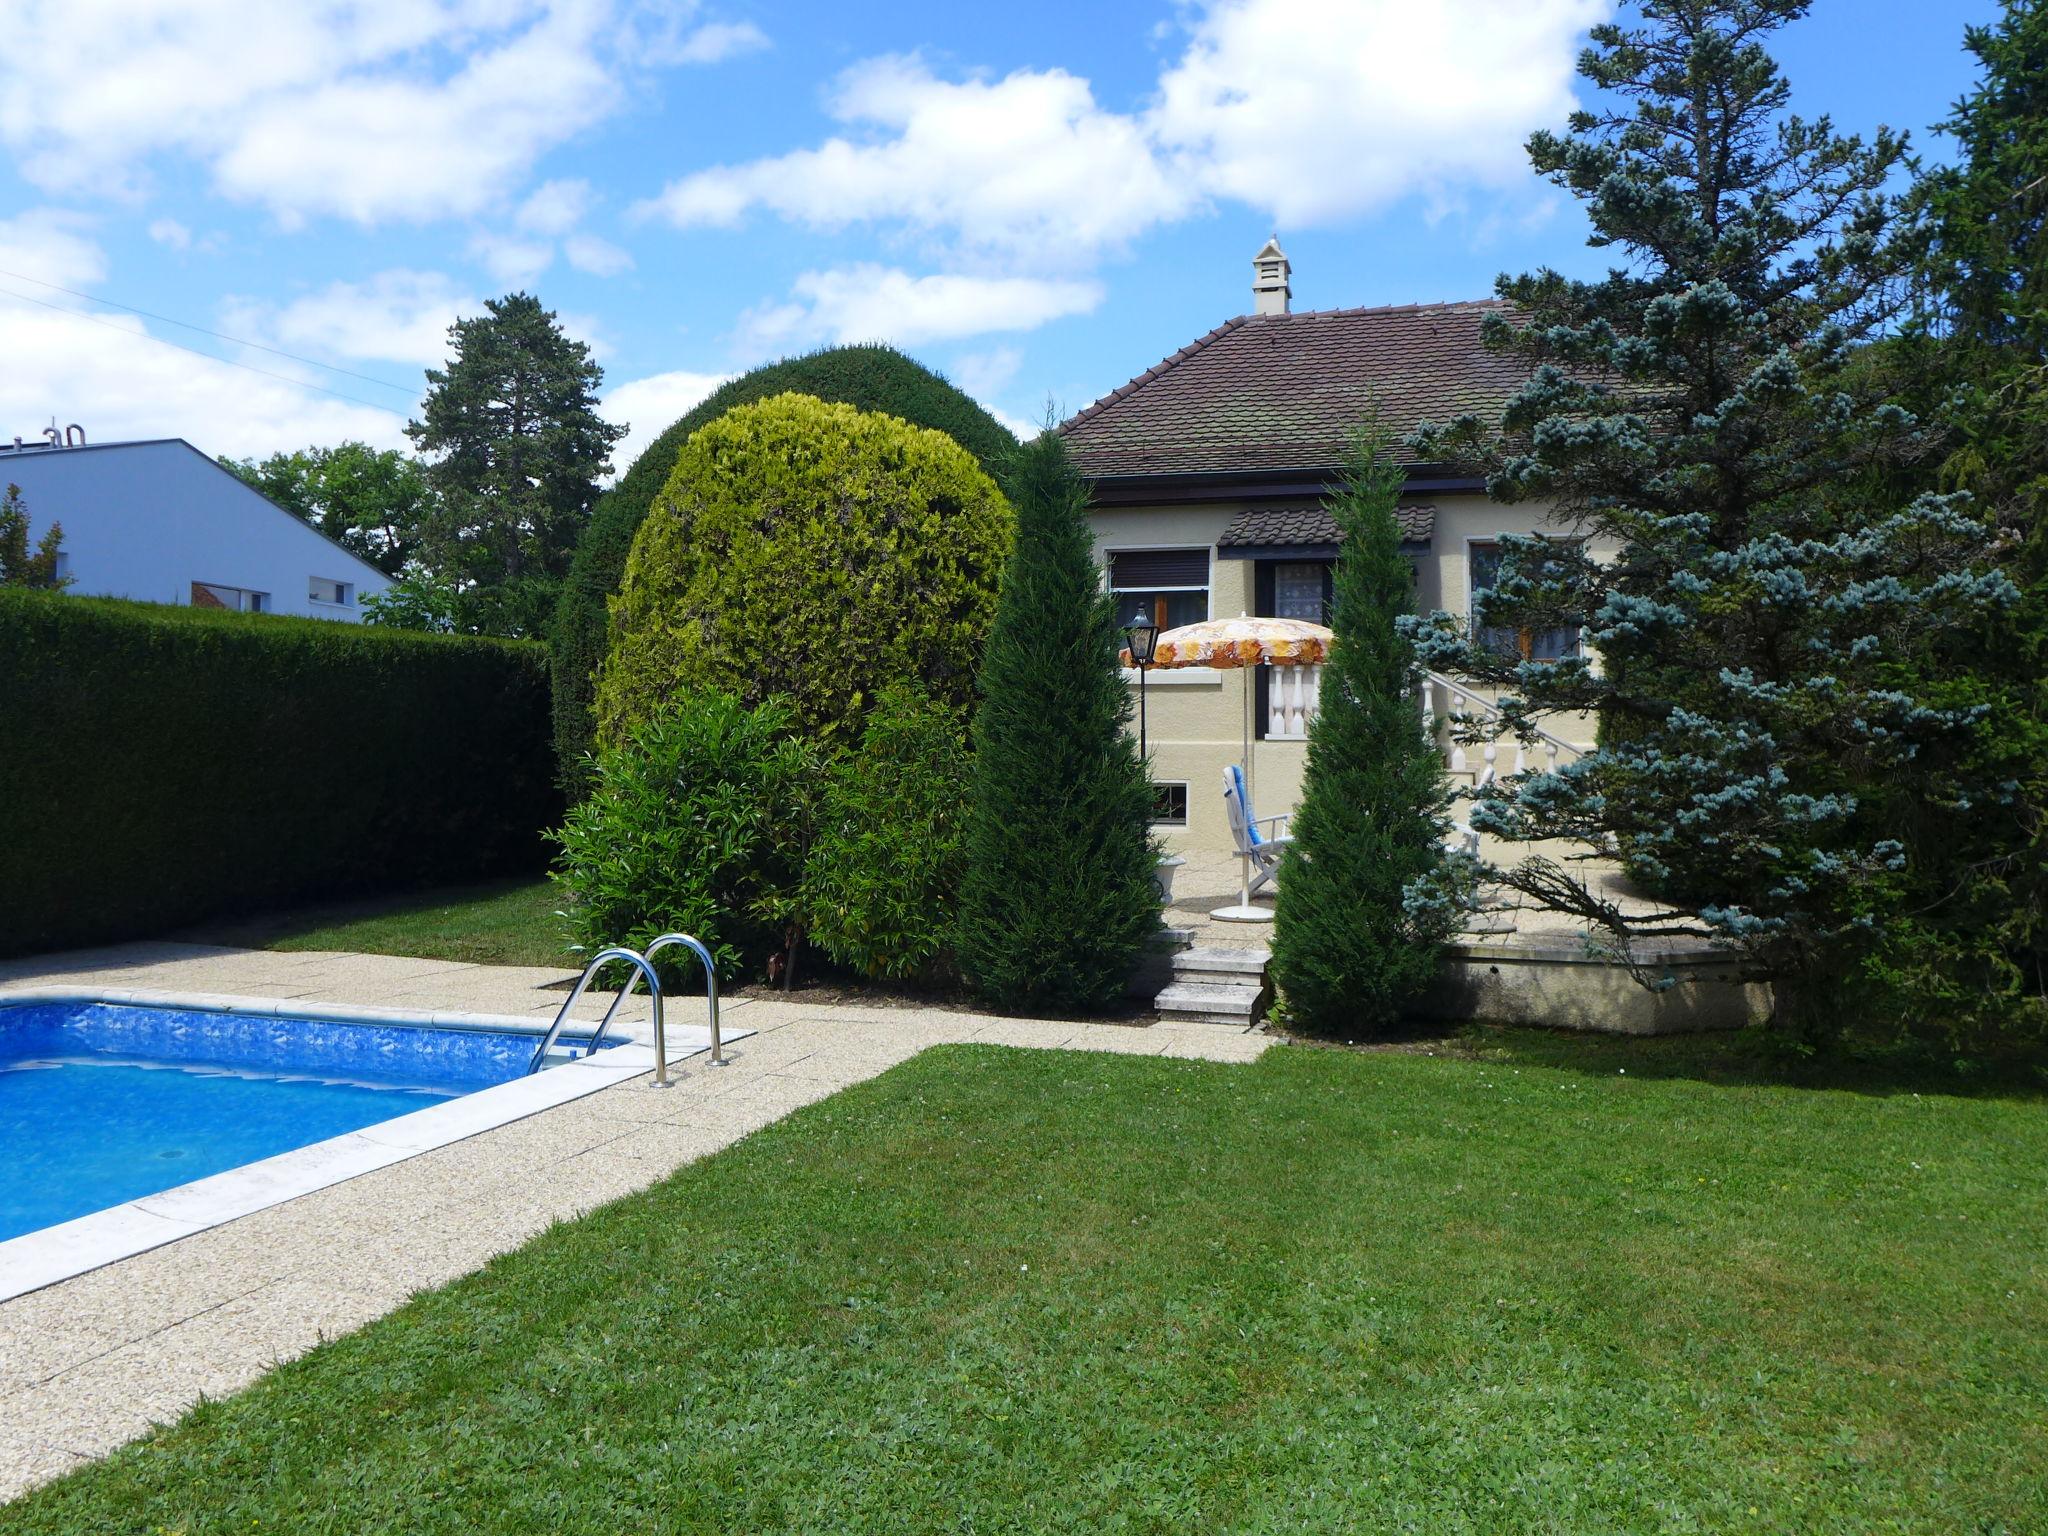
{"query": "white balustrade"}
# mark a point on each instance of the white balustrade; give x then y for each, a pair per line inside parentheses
(1291, 694)
(1453, 711)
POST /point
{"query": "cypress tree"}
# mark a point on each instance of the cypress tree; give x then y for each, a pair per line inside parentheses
(1058, 898)
(1362, 913)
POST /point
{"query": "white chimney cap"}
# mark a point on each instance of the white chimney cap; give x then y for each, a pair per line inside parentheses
(1271, 293)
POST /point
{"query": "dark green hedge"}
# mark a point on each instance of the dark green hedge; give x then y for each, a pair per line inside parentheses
(163, 765)
(868, 377)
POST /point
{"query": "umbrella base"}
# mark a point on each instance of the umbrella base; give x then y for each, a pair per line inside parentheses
(1246, 913)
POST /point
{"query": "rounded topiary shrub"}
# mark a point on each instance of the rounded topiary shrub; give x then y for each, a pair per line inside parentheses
(809, 552)
(867, 376)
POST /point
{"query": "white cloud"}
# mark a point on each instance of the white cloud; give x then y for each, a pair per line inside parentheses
(1308, 111)
(874, 303)
(714, 42)
(598, 257)
(365, 109)
(650, 406)
(1314, 111)
(49, 245)
(170, 233)
(1025, 165)
(554, 207)
(400, 316)
(511, 261)
(983, 374)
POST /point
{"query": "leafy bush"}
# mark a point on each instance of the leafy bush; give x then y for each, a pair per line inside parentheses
(810, 552)
(695, 824)
(1058, 898)
(884, 867)
(164, 765)
(867, 377)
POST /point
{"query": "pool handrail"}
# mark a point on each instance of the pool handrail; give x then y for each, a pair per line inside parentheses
(603, 957)
(666, 941)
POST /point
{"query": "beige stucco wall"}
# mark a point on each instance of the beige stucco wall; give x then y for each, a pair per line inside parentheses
(1196, 719)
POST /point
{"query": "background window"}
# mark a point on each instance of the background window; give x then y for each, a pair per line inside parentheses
(1169, 805)
(211, 594)
(1301, 590)
(320, 590)
(1524, 644)
(1168, 586)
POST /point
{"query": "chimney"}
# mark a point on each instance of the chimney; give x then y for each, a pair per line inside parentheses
(1271, 294)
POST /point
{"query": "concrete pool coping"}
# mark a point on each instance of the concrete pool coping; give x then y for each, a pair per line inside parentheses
(54, 1253)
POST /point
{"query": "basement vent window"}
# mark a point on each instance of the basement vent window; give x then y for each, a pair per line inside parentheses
(1169, 805)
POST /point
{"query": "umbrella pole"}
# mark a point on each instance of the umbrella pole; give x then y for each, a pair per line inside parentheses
(1244, 891)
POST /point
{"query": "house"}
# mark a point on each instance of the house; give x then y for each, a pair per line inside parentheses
(160, 521)
(1210, 472)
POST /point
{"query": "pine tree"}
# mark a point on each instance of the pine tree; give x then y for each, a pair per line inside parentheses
(23, 565)
(1760, 637)
(517, 448)
(1058, 899)
(1364, 904)
(1969, 961)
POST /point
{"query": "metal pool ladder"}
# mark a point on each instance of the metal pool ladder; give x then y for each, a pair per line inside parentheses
(642, 962)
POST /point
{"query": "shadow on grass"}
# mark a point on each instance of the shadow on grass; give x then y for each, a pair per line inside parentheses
(1746, 1058)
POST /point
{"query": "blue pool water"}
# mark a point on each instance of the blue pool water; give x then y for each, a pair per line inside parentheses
(104, 1102)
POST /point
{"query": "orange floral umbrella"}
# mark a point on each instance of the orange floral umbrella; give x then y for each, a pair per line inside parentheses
(1242, 642)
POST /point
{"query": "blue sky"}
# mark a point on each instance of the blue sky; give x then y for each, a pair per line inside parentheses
(1039, 200)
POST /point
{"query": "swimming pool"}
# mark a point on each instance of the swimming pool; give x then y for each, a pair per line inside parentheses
(103, 1103)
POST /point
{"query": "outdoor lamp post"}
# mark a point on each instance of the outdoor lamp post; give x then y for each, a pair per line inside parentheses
(1141, 637)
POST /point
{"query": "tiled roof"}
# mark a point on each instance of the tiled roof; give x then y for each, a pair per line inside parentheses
(1268, 527)
(1271, 392)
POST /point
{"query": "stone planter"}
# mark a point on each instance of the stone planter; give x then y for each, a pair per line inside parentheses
(1163, 874)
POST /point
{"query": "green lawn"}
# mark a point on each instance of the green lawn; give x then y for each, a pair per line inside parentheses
(1517, 1289)
(507, 923)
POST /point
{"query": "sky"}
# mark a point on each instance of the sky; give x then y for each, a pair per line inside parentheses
(249, 223)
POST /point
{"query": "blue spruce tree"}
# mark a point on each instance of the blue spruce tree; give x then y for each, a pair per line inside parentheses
(1700, 407)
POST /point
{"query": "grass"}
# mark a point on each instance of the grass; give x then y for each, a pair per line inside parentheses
(506, 923)
(1503, 1290)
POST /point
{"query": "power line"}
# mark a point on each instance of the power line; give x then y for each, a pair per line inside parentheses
(165, 341)
(202, 330)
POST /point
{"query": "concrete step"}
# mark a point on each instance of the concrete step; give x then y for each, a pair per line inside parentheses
(1203, 960)
(1208, 1003)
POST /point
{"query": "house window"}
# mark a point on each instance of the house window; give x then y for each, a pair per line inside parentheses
(1169, 587)
(320, 590)
(1169, 805)
(211, 594)
(1301, 590)
(1483, 568)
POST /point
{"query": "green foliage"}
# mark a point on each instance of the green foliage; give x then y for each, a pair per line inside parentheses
(1772, 623)
(696, 823)
(883, 874)
(1366, 896)
(373, 504)
(517, 447)
(186, 764)
(1059, 898)
(1967, 961)
(20, 564)
(869, 377)
(809, 552)
(418, 599)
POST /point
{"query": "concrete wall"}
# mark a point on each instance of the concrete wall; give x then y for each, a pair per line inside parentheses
(147, 520)
(1196, 718)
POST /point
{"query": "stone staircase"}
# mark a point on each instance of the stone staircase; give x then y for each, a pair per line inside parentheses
(1212, 985)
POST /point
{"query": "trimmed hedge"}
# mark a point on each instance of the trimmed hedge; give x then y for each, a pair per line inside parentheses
(163, 765)
(868, 377)
(809, 552)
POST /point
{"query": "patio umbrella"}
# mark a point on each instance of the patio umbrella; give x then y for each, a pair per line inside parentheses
(1243, 643)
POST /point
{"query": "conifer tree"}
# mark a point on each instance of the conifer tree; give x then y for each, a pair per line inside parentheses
(1363, 910)
(1758, 634)
(1058, 898)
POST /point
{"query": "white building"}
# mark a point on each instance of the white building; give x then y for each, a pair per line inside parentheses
(161, 522)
